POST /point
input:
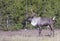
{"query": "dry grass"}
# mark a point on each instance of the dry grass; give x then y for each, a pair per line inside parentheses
(30, 38)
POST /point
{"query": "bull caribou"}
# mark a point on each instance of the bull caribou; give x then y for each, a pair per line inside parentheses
(42, 21)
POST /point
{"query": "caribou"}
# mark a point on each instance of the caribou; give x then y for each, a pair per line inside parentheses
(42, 21)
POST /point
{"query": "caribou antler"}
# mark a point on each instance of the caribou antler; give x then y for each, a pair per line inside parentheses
(33, 13)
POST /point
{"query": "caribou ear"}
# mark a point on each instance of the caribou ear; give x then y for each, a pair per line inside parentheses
(54, 17)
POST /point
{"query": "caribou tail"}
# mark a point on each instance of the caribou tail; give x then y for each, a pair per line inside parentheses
(53, 18)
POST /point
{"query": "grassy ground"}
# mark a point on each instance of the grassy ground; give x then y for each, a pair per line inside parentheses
(29, 35)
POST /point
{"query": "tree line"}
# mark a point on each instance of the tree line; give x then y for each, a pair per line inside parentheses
(13, 12)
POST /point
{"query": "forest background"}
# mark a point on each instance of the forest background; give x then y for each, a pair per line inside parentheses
(13, 12)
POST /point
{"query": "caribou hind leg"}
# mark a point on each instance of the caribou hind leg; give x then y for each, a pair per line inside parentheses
(52, 29)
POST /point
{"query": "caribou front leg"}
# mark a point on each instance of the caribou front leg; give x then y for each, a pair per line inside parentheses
(40, 29)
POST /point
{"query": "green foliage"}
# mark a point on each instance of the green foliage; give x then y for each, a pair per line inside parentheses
(12, 12)
(16, 27)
